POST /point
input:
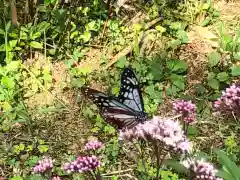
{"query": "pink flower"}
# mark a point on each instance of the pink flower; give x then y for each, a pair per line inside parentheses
(43, 165)
(93, 145)
(82, 164)
(200, 169)
(186, 108)
(229, 101)
(159, 130)
(56, 178)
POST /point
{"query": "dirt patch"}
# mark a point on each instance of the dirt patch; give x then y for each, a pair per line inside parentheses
(230, 13)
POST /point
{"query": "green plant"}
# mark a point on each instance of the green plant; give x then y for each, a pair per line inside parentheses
(230, 170)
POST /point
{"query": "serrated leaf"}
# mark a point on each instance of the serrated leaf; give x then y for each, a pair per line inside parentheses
(213, 83)
(235, 70)
(177, 66)
(178, 81)
(182, 35)
(213, 59)
(36, 45)
(223, 76)
(122, 61)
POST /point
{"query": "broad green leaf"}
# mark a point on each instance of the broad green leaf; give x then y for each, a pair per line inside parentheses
(235, 70)
(176, 166)
(43, 26)
(213, 83)
(178, 81)
(122, 62)
(160, 29)
(35, 35)
(236, 56)
(231, 167)
(206, 6)
(2, 32)
(13, 66)
(16, 178)
(223, 77)
(225, 175)
(8, 82)
(12, 43)
(213, 59)
(177, 66)
(86, 36)
(36, 45)
(174, 43)
(183, 36)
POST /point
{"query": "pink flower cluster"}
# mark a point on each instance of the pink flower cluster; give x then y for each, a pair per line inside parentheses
(186, 108)
(93, 145)
(230, 100)
(200, 169)
(159, 130)
(56, 178)
(82, 164)
(43, 165)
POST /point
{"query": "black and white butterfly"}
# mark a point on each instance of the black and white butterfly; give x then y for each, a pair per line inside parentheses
(124, 111)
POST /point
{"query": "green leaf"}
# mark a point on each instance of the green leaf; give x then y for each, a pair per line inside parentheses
(160, 29)
(176, 166)
(8, 82)
(213, 83)
(231, 167)
(122, 62)
(12, 43)
(174, 43)
(177, 66)
(236, 56)
(35, 35)
(2, 32)
(213, 59)
(206, 6)
(183, 36)
(206, 21)
(17, 178)
(225, 175)
(178, 81)
(86, 36)
(223, 77)
(235, 70)
(36, 45)
(13, 66)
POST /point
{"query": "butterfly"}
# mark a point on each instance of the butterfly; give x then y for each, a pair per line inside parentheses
(126, 110)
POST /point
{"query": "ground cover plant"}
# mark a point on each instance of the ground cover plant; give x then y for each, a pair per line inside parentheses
(185, 56)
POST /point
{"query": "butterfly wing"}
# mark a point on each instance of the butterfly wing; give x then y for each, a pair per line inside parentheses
(130, 93)
(112, 110)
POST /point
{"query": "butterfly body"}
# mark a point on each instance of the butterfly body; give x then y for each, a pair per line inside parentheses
(124, 111)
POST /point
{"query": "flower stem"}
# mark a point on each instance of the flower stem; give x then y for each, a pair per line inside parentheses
(141, 152)
(158, 155)
(142, 158)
